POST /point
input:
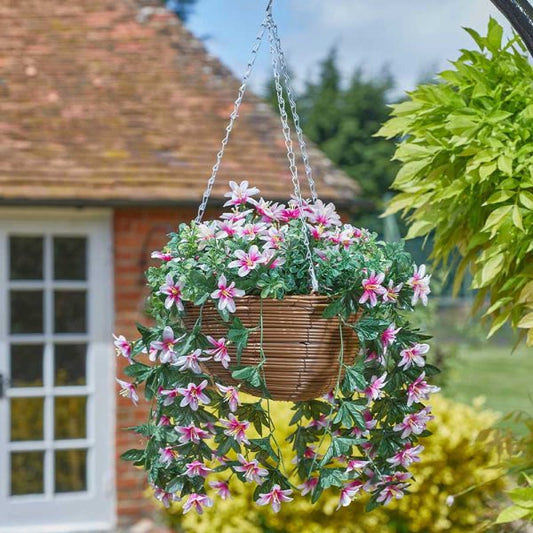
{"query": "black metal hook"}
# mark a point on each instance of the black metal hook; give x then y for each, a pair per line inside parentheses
(520, 14)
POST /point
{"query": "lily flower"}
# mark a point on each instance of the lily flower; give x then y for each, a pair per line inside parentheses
(247, 261)
(165, 497)
(222, 489)
(391, 292)
(191, 362)
(349, 492)
(420, 285)
(167, 455)
(413, 356)
(171, 395)
(231, 395)
(166, 346)
(414, 423)
(275, 497)
(373, 391)
(251, 470)
(197, 468)
(162, 256)
(419, 390)
(173, 292)
(225, 294)
(220, 351)
(326, 215)
(236, 428)
(308, 486)
(405, 457)
(191, 433)
(193, 395)
(240, 193)
(389, 492)
(197, 502)
(372, 287)
(128, 390)
(122, 347)
(389, 336)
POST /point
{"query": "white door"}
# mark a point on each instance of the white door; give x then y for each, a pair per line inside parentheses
(56, 366)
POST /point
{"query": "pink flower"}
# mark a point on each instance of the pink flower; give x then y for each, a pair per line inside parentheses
(171, 395)
(414, 423)
(391, 292)
(231, 395)
(420, 285)
(220, 351)
(390, 492)
(198, 502)
(356, 464)
(128, 390)
(273, 238)
(275, 497)
(173, 292)
(319, 213)
(122, 347)
(251, 470)
(251, 231)
(318, 232)
(349, 492)
(191, 433)
(372, 287)
(413, 355)
(235, 215)
(167, 455)
(236, 429)
(247, 261)
(164, 420)
(193, 395)
(222, 489)
(226, 294)
(272, 260)
(373, 391)
(191, 362)
(343, 238)
(164, 497)
(308, 486)
(166, 346)
(389, 336)
(162, 255)
(206, 232)
(420, 390)
(408, 455)
(319, 423)
(240, 193)
(228, 228)
(197, 468)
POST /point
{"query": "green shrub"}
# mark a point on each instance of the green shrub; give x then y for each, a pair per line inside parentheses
(453, 461)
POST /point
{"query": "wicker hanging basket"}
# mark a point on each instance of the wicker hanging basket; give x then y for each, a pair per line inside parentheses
(301, 347)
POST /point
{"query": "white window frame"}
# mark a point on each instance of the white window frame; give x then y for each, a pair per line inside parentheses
(95, 509)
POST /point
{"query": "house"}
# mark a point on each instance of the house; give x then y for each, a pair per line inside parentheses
(110, 120)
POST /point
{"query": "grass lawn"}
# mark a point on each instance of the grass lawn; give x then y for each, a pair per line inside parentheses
(503, 378)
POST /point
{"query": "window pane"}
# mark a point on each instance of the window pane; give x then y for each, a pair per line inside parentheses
(70, 313)
(69, 364)
(70, 417)
(70, 470)
(26, 311)
(26, 258)
(27, 473)
(26, 418)
(27, 365)
(70, 258)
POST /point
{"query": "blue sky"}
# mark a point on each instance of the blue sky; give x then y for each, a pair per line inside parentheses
(411, 37)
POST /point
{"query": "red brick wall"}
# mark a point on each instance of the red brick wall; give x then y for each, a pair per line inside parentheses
(137, 232)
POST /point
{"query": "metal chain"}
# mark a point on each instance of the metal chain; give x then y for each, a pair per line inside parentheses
(296, 118)
(290, 152)
(233, 117)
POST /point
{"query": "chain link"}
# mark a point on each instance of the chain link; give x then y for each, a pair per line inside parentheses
(233, 117)
(290, 152)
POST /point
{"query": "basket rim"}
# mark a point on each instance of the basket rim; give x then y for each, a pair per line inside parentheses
(289, 297)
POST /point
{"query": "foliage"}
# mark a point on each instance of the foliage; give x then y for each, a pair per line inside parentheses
(453, 460)
(359, 438)
(466, 175)
(341, 121)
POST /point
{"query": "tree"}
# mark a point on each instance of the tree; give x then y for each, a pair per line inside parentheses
(182, 8)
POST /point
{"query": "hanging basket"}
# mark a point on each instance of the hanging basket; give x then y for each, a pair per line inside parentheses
(301, 346)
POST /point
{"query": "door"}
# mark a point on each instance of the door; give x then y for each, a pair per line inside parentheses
(56, 363)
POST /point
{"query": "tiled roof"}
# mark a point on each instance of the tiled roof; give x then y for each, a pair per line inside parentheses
(100, 106)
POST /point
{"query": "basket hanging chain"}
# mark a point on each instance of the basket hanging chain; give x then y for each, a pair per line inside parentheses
(232, 119)
(290, 152)
(296, 118)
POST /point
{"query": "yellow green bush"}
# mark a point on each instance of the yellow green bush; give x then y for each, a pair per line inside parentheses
(453, 461)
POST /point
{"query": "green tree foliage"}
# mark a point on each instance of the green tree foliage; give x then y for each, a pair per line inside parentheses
(341, 120)
(466, 173)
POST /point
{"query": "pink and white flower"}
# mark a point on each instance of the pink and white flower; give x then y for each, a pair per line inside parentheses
(172, 290)
(197, 502)
(420, 390)
(247, 261)
(414, 423)
(206, 233)
(274, 497)
(164, 420)
(193, 395)
(162, 256)
(166, 346)
(389, 492)
(191, 362)
(228, 228)
(236, 428)
(225, 294)
(235, 215)
(349, 492)
(251, 470)
(391, 292)
(389, 336)
(222, 489)
(197, 468)
(240, 193)
(374, 390)
(220, 351)
(372, 288)
(356, 464)
(170, 395)
(272, 259)
(231, 395)
(251, 230)
(273, 238)
(191, 433)
(413, 356)
(128, 390)
(325, 215)
(419, 282)
(167, 455)
(406, 456)
(122, 347)
(166, 498)
(308, 486)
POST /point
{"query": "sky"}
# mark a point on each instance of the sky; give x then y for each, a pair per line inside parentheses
(412, 38)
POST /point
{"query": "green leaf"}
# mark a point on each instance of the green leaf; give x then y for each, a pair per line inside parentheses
(354, 379)
(494, 36)
(264, 445)
(248, 374)
(522, 497)
(526, 321)
(526, 199)
(511, 514)
(138, 371)
(517, 218)
(334, 308)
(133, 455)
(496, 217)
(331, 477)
(238, 334)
